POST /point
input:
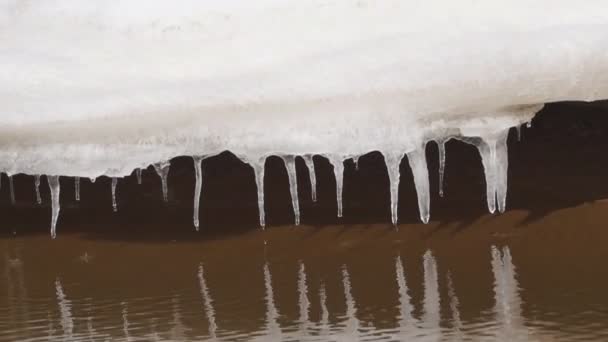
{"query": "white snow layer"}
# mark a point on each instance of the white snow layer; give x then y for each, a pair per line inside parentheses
(90, 88)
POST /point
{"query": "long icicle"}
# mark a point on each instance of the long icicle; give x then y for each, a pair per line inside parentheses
(162, 169)
(54, 186)
(77, 188)
(338, 164)
(495, 159)
(11, 187)
(441, 146)
(290, 166)
(114, 184)
(308, 160)
(138, 174)
(37, 186)
(197, 189)
(258, 166)
(417, 161)
(392, 161)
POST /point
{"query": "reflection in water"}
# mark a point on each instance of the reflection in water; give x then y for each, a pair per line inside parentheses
(273, 330)
(125, 320)
(507, 309)
(303, 302)
(454, 304)
(406, 319)
(341, 312)
(352, 323)
(65, 311)
(431, 302)
(178, 330)
(16, 291)
(207, 303)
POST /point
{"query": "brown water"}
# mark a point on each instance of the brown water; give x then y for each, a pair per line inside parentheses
(535, 273)
(543, 281)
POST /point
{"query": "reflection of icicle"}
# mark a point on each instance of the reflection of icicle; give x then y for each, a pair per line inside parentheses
(454, 304)
(65, 310)
(392, 161)
(431, 305)
(90, 331)
(441, 147)
(114, 184)
(138, 175)
(125, 321)
(405, 304)
(207, 303)
(338, 164)
(495, 159)
(308, 160)
(178, 332)
(197, 189)
(272, 326)
(259, 166)
(507, 308)
(417, 162)
(290, 166)
(55, 190)
(37, 186)
(352, 322)
(162, 169)
(77, 188)
(303, 302)
(324, 323)
(11, 187)
(154, 335)
(50, 327)
(17, 298)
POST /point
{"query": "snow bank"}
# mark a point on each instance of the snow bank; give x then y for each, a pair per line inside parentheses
(90, 88)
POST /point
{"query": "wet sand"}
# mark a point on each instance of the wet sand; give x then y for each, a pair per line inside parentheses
(533, 273)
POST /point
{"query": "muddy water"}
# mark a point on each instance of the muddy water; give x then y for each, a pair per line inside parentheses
(495, 280)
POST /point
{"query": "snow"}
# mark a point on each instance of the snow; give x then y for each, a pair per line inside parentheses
(90, 88)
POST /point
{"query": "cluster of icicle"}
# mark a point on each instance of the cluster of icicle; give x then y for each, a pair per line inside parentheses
(492, 148)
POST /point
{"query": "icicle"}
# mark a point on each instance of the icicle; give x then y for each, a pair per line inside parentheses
(93, 179)
(114, 184)
(197, 189)
(417, 161)
(392, 161)
(77, 188)
(54, 185)
(138, 174)
(338, 164)
(37, 186)
(162, 169)
(258, 166)
(356, 161)
(518, 129)
(495, 159)
(313, 177)
(290, 165)
(11, 187)
(441, 146)
(529, 124)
